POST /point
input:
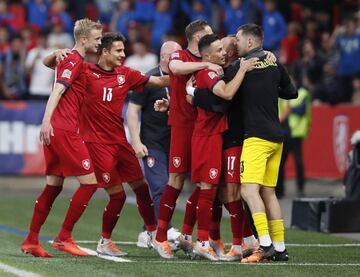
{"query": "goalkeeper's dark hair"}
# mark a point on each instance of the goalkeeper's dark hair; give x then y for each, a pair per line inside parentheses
(108, 39)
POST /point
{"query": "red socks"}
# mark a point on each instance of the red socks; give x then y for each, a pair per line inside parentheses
(145, 206)
(216, 220)
(204, 207)
(42, 209)
(190, 212)
(237, 217)
(112, 212)
(166, 210)
(77, 206)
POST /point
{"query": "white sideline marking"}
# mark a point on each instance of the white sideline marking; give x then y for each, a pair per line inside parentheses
(250, 264)
(17, 272)
(287, 244)
(105, 257)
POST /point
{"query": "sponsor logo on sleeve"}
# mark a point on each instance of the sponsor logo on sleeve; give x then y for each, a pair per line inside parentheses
(66, 74)
(175, 55)
(212, 75)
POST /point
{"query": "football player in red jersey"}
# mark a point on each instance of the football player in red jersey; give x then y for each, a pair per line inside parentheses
(208, 129)
(181, 118)
(101, 126)
(64, 149)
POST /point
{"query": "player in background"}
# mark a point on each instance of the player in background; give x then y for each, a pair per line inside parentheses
(64, 149)
(181, 118)
(151, 142)
(208, 129)
(101, 127)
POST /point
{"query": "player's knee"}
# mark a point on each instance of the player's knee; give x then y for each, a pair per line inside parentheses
(176, 180)
(114, 189)
(249, 191)
(137, 183)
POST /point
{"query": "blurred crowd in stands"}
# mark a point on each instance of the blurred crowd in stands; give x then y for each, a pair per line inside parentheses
(317, 40)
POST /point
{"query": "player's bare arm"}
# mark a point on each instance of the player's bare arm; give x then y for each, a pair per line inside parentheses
(227, 91)
(46, 128)
(51, 60)
(132, 116)
(158, 82)
(182, 68)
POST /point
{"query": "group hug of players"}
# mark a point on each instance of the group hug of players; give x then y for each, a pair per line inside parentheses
(224, 130)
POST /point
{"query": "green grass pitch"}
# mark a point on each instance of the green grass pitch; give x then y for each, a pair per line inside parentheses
(15, 212)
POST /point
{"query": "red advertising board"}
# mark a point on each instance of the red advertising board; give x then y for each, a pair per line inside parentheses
(325, 150)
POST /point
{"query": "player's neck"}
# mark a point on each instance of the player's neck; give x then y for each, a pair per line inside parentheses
(80, 50)
(105, 66)
(193, 48)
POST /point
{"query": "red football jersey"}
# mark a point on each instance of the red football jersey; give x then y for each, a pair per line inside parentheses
(208, 123)
(182, 114)
(69, 72)
(106, 91)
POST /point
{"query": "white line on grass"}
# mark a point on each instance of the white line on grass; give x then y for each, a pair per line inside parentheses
(17, 272)
(105, 257)
(288, 244)
(249, 264)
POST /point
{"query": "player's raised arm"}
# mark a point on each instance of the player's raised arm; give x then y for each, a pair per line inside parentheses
(55, 57)
(227, 91)
(181, 68)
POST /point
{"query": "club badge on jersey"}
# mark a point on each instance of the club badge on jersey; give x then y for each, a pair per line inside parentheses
(176, 161)
(213, 173)
(106, 177)
(121, 80)
(150, 161)
(86, 164)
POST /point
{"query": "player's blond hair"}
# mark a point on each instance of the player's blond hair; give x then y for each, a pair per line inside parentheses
(84, 26)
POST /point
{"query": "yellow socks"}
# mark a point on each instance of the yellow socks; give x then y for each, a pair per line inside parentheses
(261, 225)
(277, 234)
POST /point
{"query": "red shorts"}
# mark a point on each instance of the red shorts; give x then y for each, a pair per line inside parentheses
(180, 149)
(231, 165)
(206, 159)
(114, 163)
(67, 155)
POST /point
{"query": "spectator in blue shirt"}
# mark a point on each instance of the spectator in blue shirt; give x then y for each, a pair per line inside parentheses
(144, 11)
(121, 18)
(273, 24)
(236, 13)
(38, 13)
(199, 9)
(13, 84)
(58, 8)
(163, 21)
(348, 46)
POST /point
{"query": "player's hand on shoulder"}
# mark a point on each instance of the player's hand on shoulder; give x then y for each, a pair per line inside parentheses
(140, 150)
(161, 105)
(61, 54)
(46, 132)
(270, 57)
(249, 64)
(217, 68)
